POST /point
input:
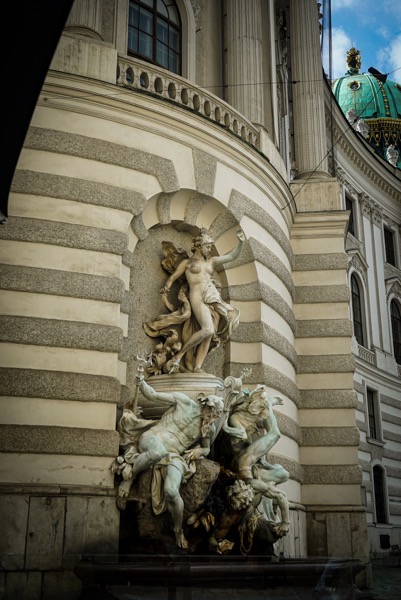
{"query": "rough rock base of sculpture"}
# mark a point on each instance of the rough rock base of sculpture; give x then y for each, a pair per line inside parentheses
(154, 532)
(206, 518)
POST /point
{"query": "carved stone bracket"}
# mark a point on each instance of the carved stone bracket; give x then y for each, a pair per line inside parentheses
(377, 214)
(366, 205)
(339, 172)
(371, 209)
(393, 289)
(392, 224)
(357, 262)
(351, 190)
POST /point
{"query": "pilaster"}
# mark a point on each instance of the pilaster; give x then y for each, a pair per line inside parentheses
(330, 437)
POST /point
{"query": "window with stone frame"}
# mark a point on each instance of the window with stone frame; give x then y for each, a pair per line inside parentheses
(395, 312)
(350, 205)
(357, 310)
(379, 495)
(389, 246)
(372, 402)
(154, 33)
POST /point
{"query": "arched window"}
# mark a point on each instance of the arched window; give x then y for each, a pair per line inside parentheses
(396, 329)
(380, 498)
(357, 310)
(154, 32)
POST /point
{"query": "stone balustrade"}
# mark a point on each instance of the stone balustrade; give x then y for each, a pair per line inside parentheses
(367, 355)
(142, 76)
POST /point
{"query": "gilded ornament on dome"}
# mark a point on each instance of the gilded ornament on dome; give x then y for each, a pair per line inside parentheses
(354, 85)
(353, 60)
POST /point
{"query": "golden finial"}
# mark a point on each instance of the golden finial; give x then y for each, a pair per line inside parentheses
(353, 61)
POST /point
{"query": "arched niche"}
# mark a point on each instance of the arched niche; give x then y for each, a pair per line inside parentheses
(147, 275)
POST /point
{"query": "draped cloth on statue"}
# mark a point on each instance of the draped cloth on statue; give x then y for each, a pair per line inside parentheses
(159, 503)
(130, 427)
(225, 318)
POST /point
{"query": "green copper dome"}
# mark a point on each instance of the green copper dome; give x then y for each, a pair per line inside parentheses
(376, 100)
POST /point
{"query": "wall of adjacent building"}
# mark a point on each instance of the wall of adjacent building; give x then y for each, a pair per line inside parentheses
(365, 180)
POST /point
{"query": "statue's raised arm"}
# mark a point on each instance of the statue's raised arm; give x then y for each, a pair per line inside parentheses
(235, 252)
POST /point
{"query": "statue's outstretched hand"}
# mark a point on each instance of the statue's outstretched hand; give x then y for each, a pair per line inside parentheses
(282, 528)
(138, 379)
(240, 235)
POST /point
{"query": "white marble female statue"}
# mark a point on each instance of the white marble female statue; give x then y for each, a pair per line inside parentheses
(205, 320)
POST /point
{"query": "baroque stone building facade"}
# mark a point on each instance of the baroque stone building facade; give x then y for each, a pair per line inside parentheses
(155, 119)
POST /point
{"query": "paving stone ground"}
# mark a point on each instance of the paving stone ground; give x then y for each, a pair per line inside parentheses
(386, 578)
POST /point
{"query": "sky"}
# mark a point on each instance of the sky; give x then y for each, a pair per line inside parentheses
(374, 28)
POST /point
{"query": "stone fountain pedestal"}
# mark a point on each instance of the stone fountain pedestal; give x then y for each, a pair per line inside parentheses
(191, 384)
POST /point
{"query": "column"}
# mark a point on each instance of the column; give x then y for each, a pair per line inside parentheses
(308, 92)
(86, 18)
(244, 58)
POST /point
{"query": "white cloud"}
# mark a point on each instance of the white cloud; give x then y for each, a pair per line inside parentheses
(341, 43)
(339, 4)
(389, 59)
(384, 32)
(393, 9)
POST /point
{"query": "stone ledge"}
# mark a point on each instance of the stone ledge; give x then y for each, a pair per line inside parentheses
(320, 262)
(324, 328)
(59, 385)
(330, 436)
(62, 334)
(61, 283)
(318, 294)
(332, 474)
(103, 151)
(78, 190)
(64, 235)
(332, 363)
(328, 399)
(34, 439)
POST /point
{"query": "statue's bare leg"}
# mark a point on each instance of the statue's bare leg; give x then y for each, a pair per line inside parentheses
(122, 493)
(196, 339)
(201, 354)
(144, 461)
(269, 490)
(200, 338)
(175, 503)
